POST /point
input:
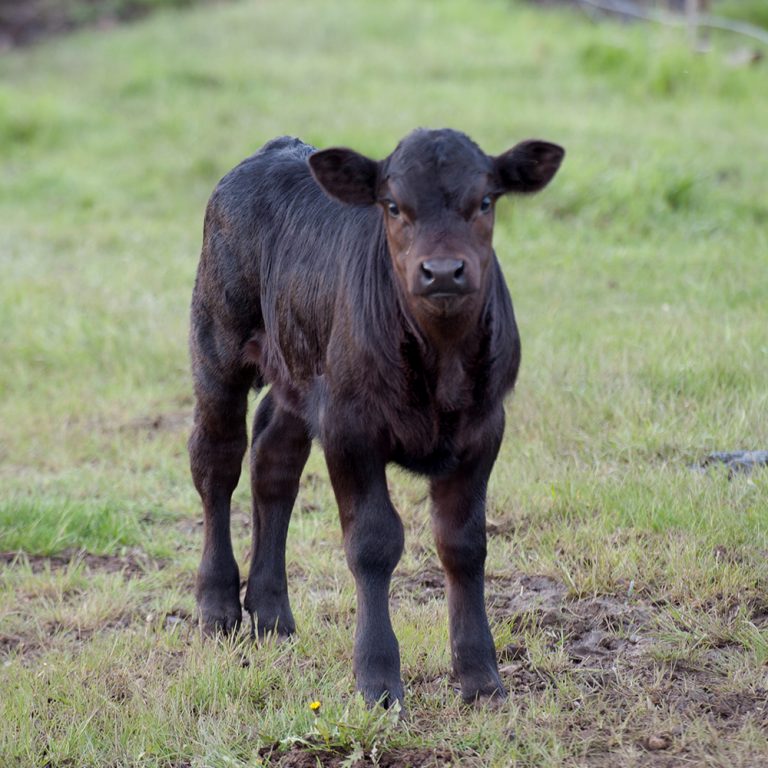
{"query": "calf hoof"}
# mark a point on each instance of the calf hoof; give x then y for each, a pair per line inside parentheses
(219, 606)
(484, 700)
(279, 627)
(218, 616)
(269, 610)
(486, 691)
(382, 693)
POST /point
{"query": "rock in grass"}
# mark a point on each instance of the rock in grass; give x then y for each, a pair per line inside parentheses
(656, 742)
(736, 461)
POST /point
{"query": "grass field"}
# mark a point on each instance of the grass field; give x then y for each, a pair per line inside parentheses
(628, 594)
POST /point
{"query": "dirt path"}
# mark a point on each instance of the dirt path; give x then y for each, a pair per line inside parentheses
(31, 21)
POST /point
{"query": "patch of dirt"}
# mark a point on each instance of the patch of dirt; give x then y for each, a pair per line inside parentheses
(759, 615)
(413, 757)
(505, 528)
(593, 630)
(11, 643)
(524, 594)
(173, 421)
(134, 563)
(424, 586)
(680, 693)
(30, 21)
(695, 689)
(603, 644)
(32, 645)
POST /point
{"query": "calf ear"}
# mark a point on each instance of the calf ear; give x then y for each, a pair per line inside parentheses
(346, 175)
(529, 166)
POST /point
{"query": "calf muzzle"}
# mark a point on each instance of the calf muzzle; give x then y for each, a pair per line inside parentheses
(437, 278)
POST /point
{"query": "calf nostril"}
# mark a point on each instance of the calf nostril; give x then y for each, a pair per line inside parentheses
(442, 276)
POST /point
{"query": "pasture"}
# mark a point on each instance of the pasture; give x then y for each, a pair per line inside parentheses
(628, 594)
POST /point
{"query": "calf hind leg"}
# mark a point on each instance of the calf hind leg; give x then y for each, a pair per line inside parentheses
(216, 449)
(279, 450)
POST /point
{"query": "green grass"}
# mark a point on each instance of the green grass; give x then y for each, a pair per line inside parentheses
(46, 525)
(751, 11)
(640, 282)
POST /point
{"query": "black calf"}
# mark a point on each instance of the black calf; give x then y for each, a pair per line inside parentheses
(368, 296)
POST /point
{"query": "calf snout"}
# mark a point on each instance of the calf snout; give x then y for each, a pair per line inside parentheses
(441, 277)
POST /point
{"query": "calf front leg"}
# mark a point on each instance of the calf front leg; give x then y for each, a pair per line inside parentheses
(458, 519)
(373, 541)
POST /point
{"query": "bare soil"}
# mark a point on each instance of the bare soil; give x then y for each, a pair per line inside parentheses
(132, 565)
(609, 643)
(415, 757)
(23, 22)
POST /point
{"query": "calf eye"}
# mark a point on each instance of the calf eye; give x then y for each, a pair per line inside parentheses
(394, 211)
(485, 204)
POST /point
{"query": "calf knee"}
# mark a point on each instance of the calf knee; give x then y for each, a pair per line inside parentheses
(462, 550)
(215, 464)
(277, 467)
(374, 546)
(274, 481)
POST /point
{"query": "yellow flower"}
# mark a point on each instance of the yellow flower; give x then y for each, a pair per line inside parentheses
(315, 706)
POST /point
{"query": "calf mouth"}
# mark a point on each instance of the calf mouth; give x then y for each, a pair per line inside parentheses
(445, 304)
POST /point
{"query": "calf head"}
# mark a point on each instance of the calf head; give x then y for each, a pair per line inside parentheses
(437, 193)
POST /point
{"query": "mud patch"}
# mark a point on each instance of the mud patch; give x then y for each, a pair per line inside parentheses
(594, 629)
(424, 586)
(588, 638)
(701, 689)
(29, 647)
(133, 564)
(588, 635)
(28, 642)
(174, 421)
(11, 643)
(414, 757)
(23, 23)
(538, 597)
(53, 633)
(681, 694)
(613, 650)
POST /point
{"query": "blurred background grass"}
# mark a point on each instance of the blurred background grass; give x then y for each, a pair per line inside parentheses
(638, 277)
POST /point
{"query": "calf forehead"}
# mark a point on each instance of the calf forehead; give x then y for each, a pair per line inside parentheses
(429, 167)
